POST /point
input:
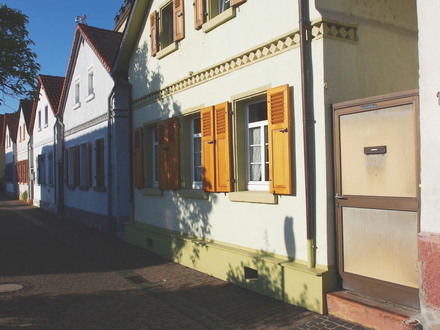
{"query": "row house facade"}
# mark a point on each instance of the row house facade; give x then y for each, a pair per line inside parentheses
(11, 129)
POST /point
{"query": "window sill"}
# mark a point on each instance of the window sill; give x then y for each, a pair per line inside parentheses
(167, 50)
(261, 197)
(151, 192)
(100, 189)
(193, 194)
(90, 97)
(219, 20)
(77, 105)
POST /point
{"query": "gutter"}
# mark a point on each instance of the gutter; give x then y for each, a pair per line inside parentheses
(308, 122)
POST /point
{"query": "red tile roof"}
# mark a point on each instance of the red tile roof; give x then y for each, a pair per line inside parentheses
(105, 43)
(26, 106)
(53, 85)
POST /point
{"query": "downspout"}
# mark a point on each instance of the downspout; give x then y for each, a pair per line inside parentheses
(30, 161)
(308, 121)
(109, 166)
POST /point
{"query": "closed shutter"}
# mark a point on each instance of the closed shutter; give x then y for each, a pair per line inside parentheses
(169, 154)
(208, 148)
(199, 13)
(280, 137)
(154, 33)
(88, 173)
(223, 147)
(138, 159)
(237, 2)
(66, 167)
(76, 171)
(179, 20)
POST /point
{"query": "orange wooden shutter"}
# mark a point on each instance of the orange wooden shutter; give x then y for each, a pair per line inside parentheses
(237, 2)
(173, 152)
(154, 33)
(223, 147)
(199, 13)
(179, 20)
(280, 137)
(138, 159)
(208, 148)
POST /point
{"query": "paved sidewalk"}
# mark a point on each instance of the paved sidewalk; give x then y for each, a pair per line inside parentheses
(77, 278)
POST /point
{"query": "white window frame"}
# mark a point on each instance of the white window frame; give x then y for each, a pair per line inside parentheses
(260, 185)
(90, 84)
(194, 183)
(77, 93)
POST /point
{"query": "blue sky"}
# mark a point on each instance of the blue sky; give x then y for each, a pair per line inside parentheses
(51, 27)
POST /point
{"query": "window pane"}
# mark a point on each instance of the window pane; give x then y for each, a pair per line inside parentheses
(255, 154)
(257, 112)
(254, 136)
(196, 123)
(255, 172)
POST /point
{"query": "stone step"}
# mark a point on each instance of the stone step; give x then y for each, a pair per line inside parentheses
(371, 313)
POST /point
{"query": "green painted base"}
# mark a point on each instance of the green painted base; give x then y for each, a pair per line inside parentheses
(290, 281)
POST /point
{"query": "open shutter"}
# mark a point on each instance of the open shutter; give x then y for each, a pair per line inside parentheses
(66, 167)
(173, 152)
(223, 147)
(179, 20)
(280, 137)
(208, 148)
(237, 2)
(199, 13)
(138, 159)
(162, 155)
(154, 33)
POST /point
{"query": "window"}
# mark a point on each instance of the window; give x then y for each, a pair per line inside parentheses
(71, 167)
(166, 26)
(46, 116)
(205, 10)
(85, 169)
(99, 164)
(146, 157)
(77, 95)
(90, 82)
(257, 146)
(138, 158)
(262, 149)
(196, 153)
(22, 171)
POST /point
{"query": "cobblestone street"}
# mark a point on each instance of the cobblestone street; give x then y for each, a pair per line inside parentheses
(77, 278)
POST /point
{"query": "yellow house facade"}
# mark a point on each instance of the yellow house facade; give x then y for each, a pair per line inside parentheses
(233, 132)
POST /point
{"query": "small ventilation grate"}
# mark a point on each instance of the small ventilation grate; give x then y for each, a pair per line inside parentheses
(250, 274)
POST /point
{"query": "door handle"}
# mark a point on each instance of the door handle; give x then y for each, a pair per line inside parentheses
(337, 196)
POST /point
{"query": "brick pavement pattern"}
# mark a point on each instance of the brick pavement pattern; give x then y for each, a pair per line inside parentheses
(76, 278)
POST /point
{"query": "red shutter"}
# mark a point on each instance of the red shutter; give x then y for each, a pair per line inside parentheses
(162, 154)
(199, 13)
(138, 158)
(154, 33)
(208, 148)
(237, 2)
(280, 137)
(223, 147)
(179, 20)
(169, 154)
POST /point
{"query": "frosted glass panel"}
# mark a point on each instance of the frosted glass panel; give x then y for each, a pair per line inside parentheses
(391, 174)
(381, 244)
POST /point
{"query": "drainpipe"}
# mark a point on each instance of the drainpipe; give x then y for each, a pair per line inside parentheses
(308, 121)
(109, 167)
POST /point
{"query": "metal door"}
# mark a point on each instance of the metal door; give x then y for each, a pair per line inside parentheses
(377, 196)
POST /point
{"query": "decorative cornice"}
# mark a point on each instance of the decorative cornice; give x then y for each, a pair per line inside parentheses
(87, 124)
(319, 29)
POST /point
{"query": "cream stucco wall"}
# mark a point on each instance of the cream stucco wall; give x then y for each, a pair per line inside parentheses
(281, 228)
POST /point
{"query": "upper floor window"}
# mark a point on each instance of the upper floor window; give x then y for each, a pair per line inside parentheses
(196, 153)
(39, 120)
(205, 10)
(46, 116)
(77, 94)
(90, 84)
(167, 27)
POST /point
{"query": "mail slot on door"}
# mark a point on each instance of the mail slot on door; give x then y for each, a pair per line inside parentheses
(377, 150)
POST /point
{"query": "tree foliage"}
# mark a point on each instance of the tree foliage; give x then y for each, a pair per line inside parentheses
(18, 65)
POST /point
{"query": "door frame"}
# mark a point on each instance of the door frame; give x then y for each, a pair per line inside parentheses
(373, 287)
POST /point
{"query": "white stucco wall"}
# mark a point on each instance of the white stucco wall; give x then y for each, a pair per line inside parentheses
(429, 50)
(281, 228)
(43, 143)
(81, 119)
